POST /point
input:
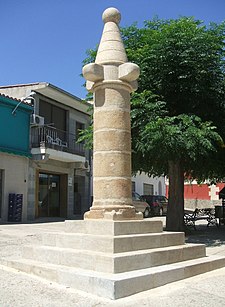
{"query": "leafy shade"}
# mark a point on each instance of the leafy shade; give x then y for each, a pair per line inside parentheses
(86, 137)
(181, 61)
(157, 137)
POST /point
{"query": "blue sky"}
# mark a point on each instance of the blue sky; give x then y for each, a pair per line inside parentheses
(46, 40)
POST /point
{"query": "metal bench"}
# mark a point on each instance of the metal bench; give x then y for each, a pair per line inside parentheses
(207, 214)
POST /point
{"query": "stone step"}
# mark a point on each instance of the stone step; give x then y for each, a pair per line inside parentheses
(114, 263)
(114, 286)
(113, 244)
(114, 228)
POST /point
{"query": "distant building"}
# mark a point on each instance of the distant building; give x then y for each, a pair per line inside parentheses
(145, 185)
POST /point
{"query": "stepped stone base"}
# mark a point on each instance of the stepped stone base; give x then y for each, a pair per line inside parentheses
(114, 259)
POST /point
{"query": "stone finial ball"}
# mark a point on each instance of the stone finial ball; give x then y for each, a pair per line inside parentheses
(111, 14)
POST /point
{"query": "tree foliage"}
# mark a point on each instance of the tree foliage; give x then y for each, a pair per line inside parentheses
(181, 61)
(182, 73)
(158, 137)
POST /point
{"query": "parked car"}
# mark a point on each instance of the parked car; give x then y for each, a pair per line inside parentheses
(158, 204)
(140, 204)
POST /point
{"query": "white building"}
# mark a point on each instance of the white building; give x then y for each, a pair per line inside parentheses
(143, 185)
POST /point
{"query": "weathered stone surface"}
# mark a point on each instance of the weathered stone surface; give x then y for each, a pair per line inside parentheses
(113, 213)
(115, 165)
(112, 119)
(112, 97)
(129, 72)
(113, 259)
(111, 14)
(111, 48)
(111, 79)
(112, 140)
(115, 188)
(93, 72)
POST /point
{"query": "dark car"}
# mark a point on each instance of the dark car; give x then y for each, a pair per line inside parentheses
(157, 203)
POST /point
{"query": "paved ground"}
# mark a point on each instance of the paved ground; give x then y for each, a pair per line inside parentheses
(20, 289)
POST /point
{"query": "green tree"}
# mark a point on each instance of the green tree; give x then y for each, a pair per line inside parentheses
(182, 64)
(179, 103)
(170, 145)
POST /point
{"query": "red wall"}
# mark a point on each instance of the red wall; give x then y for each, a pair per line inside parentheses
(198, 191)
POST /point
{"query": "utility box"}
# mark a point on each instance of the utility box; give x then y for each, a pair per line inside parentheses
(15, 207)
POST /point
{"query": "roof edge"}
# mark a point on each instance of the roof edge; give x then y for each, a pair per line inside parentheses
(24, 84)
(6, 97)
(44, 84)
(64, 92)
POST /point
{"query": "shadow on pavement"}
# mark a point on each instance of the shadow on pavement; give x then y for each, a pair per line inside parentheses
(211, 236)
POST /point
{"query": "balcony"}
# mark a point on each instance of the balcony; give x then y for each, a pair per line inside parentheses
(49, 138)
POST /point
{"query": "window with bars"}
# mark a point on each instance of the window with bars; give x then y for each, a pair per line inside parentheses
(148, 189)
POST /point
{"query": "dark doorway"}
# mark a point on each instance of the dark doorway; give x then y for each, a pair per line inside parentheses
(79, 191)
(49, 195)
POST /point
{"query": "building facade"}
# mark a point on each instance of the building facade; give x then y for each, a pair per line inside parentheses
(57, 180)
(58, 170)
(14, 152)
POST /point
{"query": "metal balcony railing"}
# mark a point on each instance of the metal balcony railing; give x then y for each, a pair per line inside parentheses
(50, 137)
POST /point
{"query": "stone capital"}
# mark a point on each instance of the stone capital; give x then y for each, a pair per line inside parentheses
(111, 65)
(93, 72)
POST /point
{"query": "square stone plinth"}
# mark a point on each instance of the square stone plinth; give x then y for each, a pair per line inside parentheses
(114, 259)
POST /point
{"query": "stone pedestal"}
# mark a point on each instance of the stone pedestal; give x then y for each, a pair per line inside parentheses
(114, 259)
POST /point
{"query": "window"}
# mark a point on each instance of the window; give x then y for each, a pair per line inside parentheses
(79, 127)
(148, 189)
(53, 115)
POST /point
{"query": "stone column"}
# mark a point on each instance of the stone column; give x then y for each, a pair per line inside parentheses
(112, 79)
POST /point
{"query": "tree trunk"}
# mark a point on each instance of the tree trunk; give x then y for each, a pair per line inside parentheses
(175, 210)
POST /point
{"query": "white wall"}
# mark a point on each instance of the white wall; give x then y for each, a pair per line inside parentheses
(15, 180)
(142, 178)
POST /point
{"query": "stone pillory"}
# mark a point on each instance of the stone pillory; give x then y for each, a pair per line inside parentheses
(111, 78)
